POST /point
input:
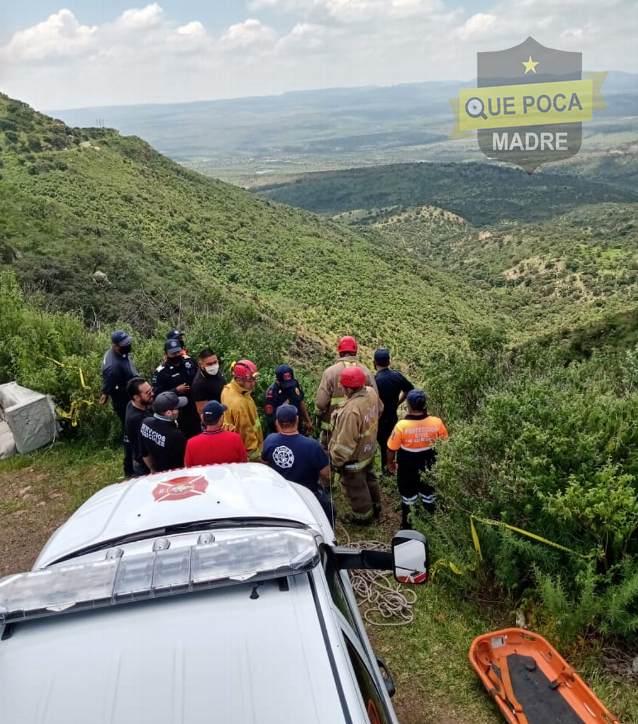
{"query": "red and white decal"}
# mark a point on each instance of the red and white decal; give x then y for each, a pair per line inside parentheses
(414, 577)
(180, 488)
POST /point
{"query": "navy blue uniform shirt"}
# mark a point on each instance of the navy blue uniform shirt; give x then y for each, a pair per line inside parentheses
(117, 370)
(168, 376)
(296, 458)
(276, 396)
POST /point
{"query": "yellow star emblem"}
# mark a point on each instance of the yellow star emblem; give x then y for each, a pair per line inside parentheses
(530, 65)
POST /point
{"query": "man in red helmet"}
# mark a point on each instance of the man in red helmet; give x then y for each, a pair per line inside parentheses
(353, 444)
(241, 414)
(329, 394)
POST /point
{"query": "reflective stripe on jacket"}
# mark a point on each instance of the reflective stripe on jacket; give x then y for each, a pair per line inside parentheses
(242, 417)
(354, 437)
(330, 394)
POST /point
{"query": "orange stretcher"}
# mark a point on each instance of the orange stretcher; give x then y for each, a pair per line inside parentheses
(532, 683)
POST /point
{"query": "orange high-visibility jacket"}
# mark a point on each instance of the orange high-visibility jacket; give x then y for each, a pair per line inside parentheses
(417, 435)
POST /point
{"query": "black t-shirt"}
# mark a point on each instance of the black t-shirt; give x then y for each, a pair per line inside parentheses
(163, 442)
(207, 387)
(133, 421)
(391, 384)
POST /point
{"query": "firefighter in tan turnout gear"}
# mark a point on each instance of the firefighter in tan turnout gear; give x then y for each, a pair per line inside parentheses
(353, 444)
(329, 394)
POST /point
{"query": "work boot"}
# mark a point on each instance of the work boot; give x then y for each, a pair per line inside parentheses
(376, 510)
(353, 519)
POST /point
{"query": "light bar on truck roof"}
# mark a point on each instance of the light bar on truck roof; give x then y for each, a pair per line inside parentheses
(253, 556)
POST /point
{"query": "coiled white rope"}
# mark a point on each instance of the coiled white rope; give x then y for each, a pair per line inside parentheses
(384, 602)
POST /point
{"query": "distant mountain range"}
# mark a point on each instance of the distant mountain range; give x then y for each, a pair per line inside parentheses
(333, 127)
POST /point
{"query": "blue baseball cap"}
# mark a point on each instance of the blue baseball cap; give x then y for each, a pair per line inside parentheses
(213, 410)
(285, 376)
(382, 357)
(172, 346)
(174, 334)
(286, 413)
(416, 399)
(121, 337)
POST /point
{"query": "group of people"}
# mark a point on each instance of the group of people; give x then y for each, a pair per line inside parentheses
(189, 414)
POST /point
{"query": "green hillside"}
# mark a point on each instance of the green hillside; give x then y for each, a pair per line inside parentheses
(510, 299)
(559, 273)
(99, 222)
(553, 251)
(482, 193)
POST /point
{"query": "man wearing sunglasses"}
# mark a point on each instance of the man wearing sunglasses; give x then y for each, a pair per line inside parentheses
(241, 414)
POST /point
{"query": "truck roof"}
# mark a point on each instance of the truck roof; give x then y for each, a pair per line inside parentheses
(211, 656)
(208, 493)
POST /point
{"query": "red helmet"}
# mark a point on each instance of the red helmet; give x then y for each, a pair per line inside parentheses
(348, 344)
(245, 370)
(352, 377)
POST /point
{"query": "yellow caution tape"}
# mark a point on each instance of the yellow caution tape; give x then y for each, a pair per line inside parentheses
(74, 413)
(83, 384)
(540, 539)
(443, 563)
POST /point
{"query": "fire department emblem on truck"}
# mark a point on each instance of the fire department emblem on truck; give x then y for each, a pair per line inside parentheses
(180, 488)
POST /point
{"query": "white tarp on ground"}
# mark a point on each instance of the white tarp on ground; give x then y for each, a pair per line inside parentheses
(30, 417)
(7, 443)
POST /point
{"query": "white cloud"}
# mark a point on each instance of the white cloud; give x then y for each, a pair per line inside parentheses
(251, 32)
(302, 38)
(145, 56)
(478, 25)
(192, 30)
(59, 36)
(149, 17)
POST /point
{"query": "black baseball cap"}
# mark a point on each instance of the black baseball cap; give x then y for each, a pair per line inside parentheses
(166, 401)
(382, 357)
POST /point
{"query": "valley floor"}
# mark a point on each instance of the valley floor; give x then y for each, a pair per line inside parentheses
(428, 658)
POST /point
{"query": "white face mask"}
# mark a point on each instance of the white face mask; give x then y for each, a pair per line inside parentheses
(212, 369)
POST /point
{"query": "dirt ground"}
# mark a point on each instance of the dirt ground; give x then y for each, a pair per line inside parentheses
(30, 511)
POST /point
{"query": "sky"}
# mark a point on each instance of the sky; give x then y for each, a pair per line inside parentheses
(88, 53)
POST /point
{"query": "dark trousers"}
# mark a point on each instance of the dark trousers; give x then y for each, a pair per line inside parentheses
(128, 448)
(362, 491)
(386, 425)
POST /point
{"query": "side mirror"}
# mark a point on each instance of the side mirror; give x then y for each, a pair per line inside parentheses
(410, 557)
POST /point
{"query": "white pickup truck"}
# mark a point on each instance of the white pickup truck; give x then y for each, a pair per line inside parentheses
(209, 595)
